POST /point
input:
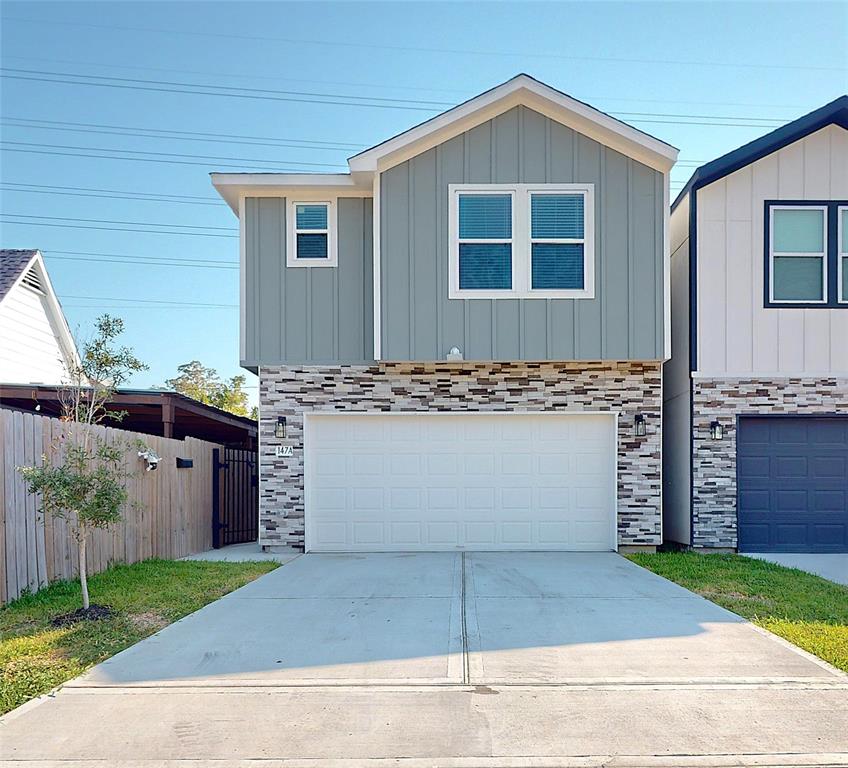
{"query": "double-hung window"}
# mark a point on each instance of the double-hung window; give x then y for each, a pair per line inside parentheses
(843, 254)
(805, 254)
(311, 238)
(521, 241)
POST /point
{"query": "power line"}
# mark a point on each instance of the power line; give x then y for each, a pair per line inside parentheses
(114, 221)
(117, 191)
(241, 167)
(213, 93)
(120, 130)
(463, 93)
(137, 198)
(136, 256)
(359, 100)
(115, 229)
(419, 49)
(275, 92)
(144, 262)
(149, 301)
(170, 154)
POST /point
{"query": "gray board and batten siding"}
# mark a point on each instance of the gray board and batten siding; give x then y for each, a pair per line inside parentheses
(299, 315)
(625, 319)
(308, 315)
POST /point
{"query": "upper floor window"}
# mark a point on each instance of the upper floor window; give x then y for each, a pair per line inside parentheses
(804, 254)
(521, 241)
(311, 240)
(843, 253)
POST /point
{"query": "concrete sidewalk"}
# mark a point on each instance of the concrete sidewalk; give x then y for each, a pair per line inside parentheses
(443, 659)
(833, 567)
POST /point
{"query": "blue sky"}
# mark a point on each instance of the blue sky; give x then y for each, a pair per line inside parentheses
(704, 77)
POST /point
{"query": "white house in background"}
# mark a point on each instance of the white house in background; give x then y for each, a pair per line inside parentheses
(36, 345)
(755, 438)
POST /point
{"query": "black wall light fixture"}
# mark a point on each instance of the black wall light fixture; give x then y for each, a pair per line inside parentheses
(280, 428)
(716, 430)
(641, 425)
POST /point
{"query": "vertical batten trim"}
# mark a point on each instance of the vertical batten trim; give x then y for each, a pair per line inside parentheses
(242, 279)
(410, 248)
(666, 246)
(600, 254)
(441, 258)
(375, 268)
(631, 304)
(282, 282)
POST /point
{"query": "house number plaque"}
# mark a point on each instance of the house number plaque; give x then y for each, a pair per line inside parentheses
(283, 451)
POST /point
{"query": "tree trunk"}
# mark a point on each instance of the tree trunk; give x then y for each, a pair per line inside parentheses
(82, 571)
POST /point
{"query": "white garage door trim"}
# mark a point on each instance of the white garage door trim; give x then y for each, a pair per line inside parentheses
(310, 418)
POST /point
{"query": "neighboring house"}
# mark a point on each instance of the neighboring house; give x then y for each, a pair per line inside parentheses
(756, 394)
(36, 345)
(460, 342)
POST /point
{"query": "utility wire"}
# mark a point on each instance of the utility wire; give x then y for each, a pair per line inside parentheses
(321, 98)
(143, 262)
(135, 198)
(115, 229)
(170, 154)
(137, 256)
(219, 138)
(419, 49)
(113, 221)
(149, 301)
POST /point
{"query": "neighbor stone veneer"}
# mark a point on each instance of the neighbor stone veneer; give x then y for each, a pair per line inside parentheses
(714, 461)
(626, 388)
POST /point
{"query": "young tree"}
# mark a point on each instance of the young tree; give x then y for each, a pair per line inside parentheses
(203, 384)
(83, 480)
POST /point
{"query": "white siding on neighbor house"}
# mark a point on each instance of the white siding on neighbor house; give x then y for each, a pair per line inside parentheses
(736, 334)
(30, 352)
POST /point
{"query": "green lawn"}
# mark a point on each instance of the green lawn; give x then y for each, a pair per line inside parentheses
(35, 657)
(809, 611)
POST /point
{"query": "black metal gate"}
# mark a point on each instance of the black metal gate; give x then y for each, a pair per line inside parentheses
(235, 497)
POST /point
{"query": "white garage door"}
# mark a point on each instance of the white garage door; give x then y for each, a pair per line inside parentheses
(459, 481)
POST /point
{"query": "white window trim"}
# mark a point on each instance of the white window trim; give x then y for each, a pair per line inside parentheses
(292, 232)
(841, 255)
(809, 255)
(521, 241)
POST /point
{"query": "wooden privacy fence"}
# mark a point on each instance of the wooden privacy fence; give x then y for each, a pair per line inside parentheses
(169, 513)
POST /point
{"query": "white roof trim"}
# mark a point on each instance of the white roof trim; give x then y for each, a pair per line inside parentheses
(531, 93)
(232, 186)
(54, 308)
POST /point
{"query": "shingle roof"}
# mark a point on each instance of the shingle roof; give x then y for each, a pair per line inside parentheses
(12, 263)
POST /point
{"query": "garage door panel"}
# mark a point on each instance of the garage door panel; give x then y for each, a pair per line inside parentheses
(800, 504)
(482, 481)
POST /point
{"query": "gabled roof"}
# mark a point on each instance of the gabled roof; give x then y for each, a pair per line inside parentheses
(27, 266)
(520, 90)
(834, 113)
(13, 265)
(526, 90)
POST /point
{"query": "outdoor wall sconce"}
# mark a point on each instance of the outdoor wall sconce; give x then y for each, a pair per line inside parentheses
(716, 430)
(151, 459)
(280, 428)
(454, 354)
(641, 426)
(184, 463)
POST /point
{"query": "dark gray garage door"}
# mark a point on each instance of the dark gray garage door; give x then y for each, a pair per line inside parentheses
(792, 477)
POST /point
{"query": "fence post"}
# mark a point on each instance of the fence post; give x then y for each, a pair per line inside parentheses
(216, 499)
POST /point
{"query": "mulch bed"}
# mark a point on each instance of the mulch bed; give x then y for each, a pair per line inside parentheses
(92, 613)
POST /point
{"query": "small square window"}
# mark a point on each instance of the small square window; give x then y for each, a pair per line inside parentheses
(311, 238)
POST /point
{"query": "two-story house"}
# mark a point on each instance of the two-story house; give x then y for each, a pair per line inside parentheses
(460, 341)
(756, 393)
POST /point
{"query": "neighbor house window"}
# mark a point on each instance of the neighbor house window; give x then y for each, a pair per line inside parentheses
(521, 240)
(311, 235)
(843, 253)
(804, 254)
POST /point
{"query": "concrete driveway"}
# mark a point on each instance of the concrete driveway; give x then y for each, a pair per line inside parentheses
(482, 659)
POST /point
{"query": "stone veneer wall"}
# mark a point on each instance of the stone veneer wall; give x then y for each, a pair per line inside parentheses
(714, 462)
(628, 388)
